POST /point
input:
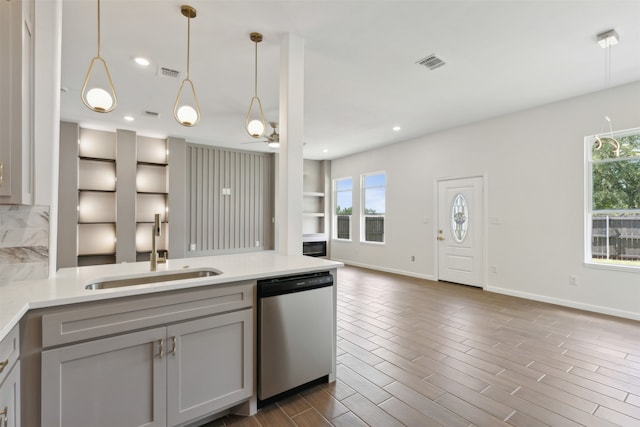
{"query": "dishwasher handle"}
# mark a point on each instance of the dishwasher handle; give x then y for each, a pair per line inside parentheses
(287, 285)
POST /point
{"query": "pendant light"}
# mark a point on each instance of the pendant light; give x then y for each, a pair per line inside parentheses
(186, 109)
(607, 40)
(98, 93)
(255, 124)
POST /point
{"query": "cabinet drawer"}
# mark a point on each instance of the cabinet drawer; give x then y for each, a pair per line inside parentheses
(105, 318)
(9, 352)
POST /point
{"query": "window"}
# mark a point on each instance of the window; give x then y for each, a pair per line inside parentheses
(343, 199)
(613, 211)
(373, 207)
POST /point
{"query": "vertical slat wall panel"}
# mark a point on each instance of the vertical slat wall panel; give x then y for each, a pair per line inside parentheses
(233, 222)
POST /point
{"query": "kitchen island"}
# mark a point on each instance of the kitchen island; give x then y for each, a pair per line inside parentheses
(75, 341)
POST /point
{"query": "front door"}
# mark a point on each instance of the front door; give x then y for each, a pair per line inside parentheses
(460, 231)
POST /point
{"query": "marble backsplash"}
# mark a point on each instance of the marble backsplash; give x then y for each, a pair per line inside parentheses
(24, 242)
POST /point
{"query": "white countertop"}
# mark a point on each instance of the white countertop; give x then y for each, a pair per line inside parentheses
(68, 284)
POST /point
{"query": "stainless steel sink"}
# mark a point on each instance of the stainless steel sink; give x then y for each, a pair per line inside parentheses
(151, 278)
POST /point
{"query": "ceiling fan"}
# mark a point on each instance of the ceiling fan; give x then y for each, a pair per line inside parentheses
(273, 139)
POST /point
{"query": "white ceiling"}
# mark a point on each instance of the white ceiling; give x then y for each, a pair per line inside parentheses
(360, 73)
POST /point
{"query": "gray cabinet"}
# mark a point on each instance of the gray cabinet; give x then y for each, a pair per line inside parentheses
(10, 380)
(10, 398)
(210, 368)
(156, 377)
(117, 381)
(16, 101)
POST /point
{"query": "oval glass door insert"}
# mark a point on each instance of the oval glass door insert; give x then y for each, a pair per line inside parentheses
(459, 218)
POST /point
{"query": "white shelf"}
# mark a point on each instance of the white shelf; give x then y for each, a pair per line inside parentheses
(97, 239)
(96, 206)
(151, 150)
(151, 179)
(97, 144)
(143, 237)
(147, 205)
(312, 194)
(96, 175)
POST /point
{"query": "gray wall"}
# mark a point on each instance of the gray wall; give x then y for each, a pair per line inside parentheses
(230, 200)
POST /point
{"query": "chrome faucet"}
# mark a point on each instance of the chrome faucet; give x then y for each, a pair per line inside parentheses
(155, 233)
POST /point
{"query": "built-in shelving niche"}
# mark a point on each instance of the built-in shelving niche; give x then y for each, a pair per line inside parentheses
(98, 172)
(96, 233)
(315, 200)
(152, 188)
(313, 213)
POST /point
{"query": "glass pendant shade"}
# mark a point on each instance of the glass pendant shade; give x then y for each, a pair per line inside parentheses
(255, 125)
(274, 144)
(98, 93)
(186, 110)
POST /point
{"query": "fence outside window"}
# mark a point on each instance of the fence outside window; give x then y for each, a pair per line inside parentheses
(615, 237)
(343, 226)
(374, 228)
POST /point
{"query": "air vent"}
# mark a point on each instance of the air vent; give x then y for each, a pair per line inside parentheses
(431, 62)
(168, 72)
(148, 113)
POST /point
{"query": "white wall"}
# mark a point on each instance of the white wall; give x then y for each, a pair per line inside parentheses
(533, 162)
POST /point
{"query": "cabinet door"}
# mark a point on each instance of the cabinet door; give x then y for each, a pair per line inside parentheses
(16, 102)
(118, 381)
(5, 97)
(10, 398)
(210, 367)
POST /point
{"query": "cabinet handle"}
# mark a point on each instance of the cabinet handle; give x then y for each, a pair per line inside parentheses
(5, 416)
(3, 364)
(161, 344)
(173, 345)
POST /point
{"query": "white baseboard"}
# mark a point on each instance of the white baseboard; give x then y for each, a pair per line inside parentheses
(565, 302)
(386, 270)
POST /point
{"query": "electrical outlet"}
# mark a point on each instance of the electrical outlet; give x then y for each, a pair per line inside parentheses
(573, 280)
(192, 247)
(494, 269)
(413, 258)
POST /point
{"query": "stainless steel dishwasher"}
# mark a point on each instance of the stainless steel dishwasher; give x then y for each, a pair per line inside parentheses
(295, 333)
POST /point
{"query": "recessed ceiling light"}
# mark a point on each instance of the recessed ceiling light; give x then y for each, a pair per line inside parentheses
(129, 118)
(325, 150)
(396, 128)
(141, 61)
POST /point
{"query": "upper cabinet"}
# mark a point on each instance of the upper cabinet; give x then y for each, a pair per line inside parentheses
(16, 101)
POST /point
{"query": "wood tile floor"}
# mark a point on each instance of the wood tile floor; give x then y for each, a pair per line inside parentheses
(419, 353)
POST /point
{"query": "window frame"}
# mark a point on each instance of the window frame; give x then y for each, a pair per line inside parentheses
(334, 215)
(363, 216)
(589, 212)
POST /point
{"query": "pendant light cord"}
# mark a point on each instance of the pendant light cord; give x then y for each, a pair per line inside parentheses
(188, 42)
(98, 28)
(255, 72)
